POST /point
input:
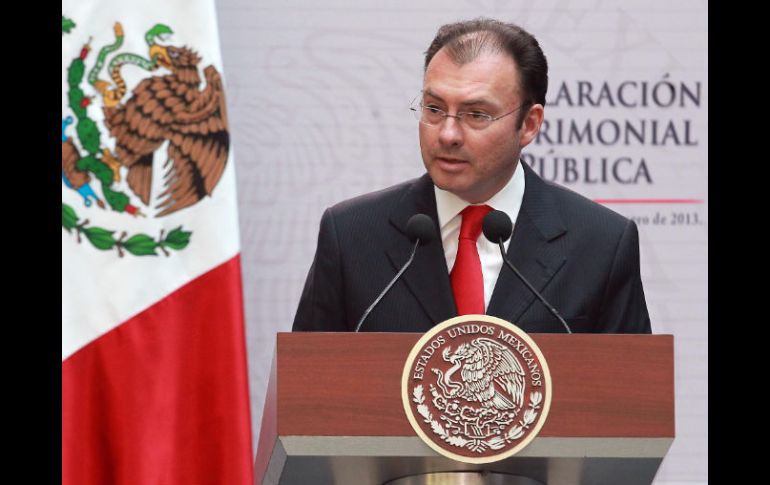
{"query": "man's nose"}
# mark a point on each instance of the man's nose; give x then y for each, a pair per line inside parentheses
(450, 132)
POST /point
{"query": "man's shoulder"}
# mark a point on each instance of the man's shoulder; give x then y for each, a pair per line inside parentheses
(379, 202)
(578, 204)
(579, 213)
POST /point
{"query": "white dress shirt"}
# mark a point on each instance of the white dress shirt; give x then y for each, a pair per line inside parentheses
(449, 207)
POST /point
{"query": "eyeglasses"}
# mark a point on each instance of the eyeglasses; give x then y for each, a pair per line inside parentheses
(431, 115)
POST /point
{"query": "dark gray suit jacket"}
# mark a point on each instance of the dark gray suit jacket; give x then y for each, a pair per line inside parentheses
(582, 257)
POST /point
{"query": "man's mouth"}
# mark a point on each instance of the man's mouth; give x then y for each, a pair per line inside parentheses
(451, 160)
(451, 164)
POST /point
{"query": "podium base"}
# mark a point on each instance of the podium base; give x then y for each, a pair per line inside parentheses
(464, 478)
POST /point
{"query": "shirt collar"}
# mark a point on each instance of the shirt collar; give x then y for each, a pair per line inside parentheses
(508, 199)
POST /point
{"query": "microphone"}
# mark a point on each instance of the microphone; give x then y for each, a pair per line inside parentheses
(421, 230)
(497, 228)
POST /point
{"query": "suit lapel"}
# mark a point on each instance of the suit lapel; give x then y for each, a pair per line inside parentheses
(427, 278)
(534, 250)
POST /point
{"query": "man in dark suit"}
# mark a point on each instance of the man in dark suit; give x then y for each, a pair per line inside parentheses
(482, 102)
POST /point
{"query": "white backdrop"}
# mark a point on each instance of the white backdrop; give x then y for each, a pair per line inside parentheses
(318, 95)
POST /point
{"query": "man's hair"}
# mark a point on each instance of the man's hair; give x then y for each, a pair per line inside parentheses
(466, 41)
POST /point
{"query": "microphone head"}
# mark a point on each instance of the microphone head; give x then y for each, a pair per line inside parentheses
(497, 226)
(420, 227)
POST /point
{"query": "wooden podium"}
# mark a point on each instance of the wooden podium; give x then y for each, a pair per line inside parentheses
(333, 412)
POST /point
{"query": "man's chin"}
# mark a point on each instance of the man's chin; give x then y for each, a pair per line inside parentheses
(456, 188)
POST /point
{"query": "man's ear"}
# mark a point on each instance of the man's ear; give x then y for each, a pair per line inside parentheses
(531, 124)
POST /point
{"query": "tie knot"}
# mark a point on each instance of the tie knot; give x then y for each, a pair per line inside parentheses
(472, 217)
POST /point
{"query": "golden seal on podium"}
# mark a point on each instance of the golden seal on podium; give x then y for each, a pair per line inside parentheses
(476, 388)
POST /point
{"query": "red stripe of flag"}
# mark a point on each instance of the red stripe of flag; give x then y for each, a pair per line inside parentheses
(163, 398)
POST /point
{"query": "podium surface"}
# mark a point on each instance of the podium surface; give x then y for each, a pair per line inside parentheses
(333, 412)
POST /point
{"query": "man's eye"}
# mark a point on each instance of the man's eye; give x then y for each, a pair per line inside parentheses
(432, 109)
(478, 115)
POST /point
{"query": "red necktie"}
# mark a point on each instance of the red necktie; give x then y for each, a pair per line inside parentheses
(466, 277)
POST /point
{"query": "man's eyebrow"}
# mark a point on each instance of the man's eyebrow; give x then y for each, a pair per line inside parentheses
(480, 101)
(467, 102)
(430, 93)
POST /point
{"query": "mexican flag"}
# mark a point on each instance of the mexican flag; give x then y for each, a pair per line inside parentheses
(154, 373)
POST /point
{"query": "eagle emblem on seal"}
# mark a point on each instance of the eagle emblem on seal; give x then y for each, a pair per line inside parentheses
(490, 375)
